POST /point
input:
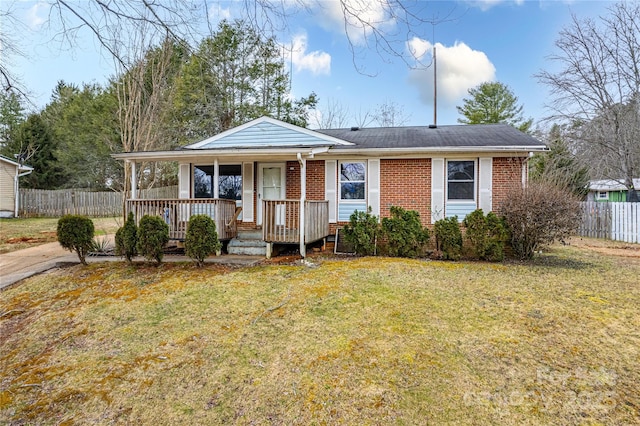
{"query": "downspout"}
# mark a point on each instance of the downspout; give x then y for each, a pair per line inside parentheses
(303, 196)
(16, 189)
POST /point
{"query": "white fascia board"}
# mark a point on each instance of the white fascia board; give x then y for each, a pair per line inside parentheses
(194, 155)
(329, 139)
(21, 167)
(408, 152)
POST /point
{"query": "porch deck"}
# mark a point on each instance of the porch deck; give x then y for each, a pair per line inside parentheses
(280, 218)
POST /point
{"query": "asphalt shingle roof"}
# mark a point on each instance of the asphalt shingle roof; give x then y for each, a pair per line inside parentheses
(479, 135)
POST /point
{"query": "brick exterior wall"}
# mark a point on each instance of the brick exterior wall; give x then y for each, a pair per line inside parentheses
(406, 183)
(315, 180)
(507, 174)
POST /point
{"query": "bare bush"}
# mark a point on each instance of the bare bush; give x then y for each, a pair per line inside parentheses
(539, 214)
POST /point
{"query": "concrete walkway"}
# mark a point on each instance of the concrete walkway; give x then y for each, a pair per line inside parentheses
(21, 264)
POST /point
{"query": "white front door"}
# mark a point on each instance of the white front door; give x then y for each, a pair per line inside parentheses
(271, 184)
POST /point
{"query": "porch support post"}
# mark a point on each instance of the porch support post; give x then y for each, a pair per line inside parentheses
(216, 179)
(303, 196)
(134, 181)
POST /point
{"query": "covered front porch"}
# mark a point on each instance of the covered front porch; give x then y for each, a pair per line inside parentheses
(262, 175)
(283, 221)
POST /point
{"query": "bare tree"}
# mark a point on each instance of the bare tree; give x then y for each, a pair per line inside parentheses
(333, 115)
(597, 90)
(142, 90)
(390, 114)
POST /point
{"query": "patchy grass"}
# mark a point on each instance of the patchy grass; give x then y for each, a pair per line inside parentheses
(362, 341)
(17, 234)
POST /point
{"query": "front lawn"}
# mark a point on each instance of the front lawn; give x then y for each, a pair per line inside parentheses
(356, 341)
(19, 233)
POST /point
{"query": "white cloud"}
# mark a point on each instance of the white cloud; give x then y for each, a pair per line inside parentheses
(34, 18)
(317, 62)
(356, 17)
(485, 5)
(459, 68)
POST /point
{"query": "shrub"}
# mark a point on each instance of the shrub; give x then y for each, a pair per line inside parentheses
(362, 232)
(539, 214)
(201, 239)
(75, 233)
(153, 234)
(405, 235)
(449, 238)
(127, 239)
(487, 235)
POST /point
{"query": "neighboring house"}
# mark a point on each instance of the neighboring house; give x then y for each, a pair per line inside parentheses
(299, 185)
(10, 173)
(609, 190)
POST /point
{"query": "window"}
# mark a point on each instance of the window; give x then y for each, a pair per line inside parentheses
(461, 180)
(203, 181)
(229, 181)
(352, 181)
(603, 195)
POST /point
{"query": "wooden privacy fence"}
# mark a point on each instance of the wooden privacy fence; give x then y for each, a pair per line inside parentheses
(615, 221)
(57, 203)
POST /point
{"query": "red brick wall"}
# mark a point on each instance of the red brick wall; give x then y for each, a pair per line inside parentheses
(406, 183)
(315, 180)
(507, 174)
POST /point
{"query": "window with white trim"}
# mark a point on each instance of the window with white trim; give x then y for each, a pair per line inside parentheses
(603, 195)
(352, 181)
(461, 180)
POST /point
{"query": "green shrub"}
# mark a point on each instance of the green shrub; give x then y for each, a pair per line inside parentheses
(404, 233)
(153, 234)
(449, 238)
(127, 239)
(362, 232)
(201, 239)
(487, 235)
(75, 233)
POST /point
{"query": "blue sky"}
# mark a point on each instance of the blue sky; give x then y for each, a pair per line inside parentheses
(493, 40)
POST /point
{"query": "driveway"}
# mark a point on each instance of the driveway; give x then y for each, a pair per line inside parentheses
(21, 264)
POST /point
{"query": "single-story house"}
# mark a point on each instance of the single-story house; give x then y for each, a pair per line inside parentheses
(298, 185)
(10, 173)
(609, 190)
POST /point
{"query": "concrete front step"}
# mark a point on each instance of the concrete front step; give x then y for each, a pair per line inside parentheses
(248, 243)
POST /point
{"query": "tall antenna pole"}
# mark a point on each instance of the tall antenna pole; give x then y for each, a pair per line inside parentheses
(435, 89)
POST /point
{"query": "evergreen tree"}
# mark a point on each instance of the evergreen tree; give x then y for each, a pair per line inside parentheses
(560, 165)
(83, 124)
(493, 102)
(12, 115)
(235, 76)
(35, 137)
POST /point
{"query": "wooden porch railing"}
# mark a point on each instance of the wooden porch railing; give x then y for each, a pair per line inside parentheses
(176, 214)
(281, 223)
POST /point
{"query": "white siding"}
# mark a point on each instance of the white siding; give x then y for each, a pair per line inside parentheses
(330, 185)
(437, 189)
